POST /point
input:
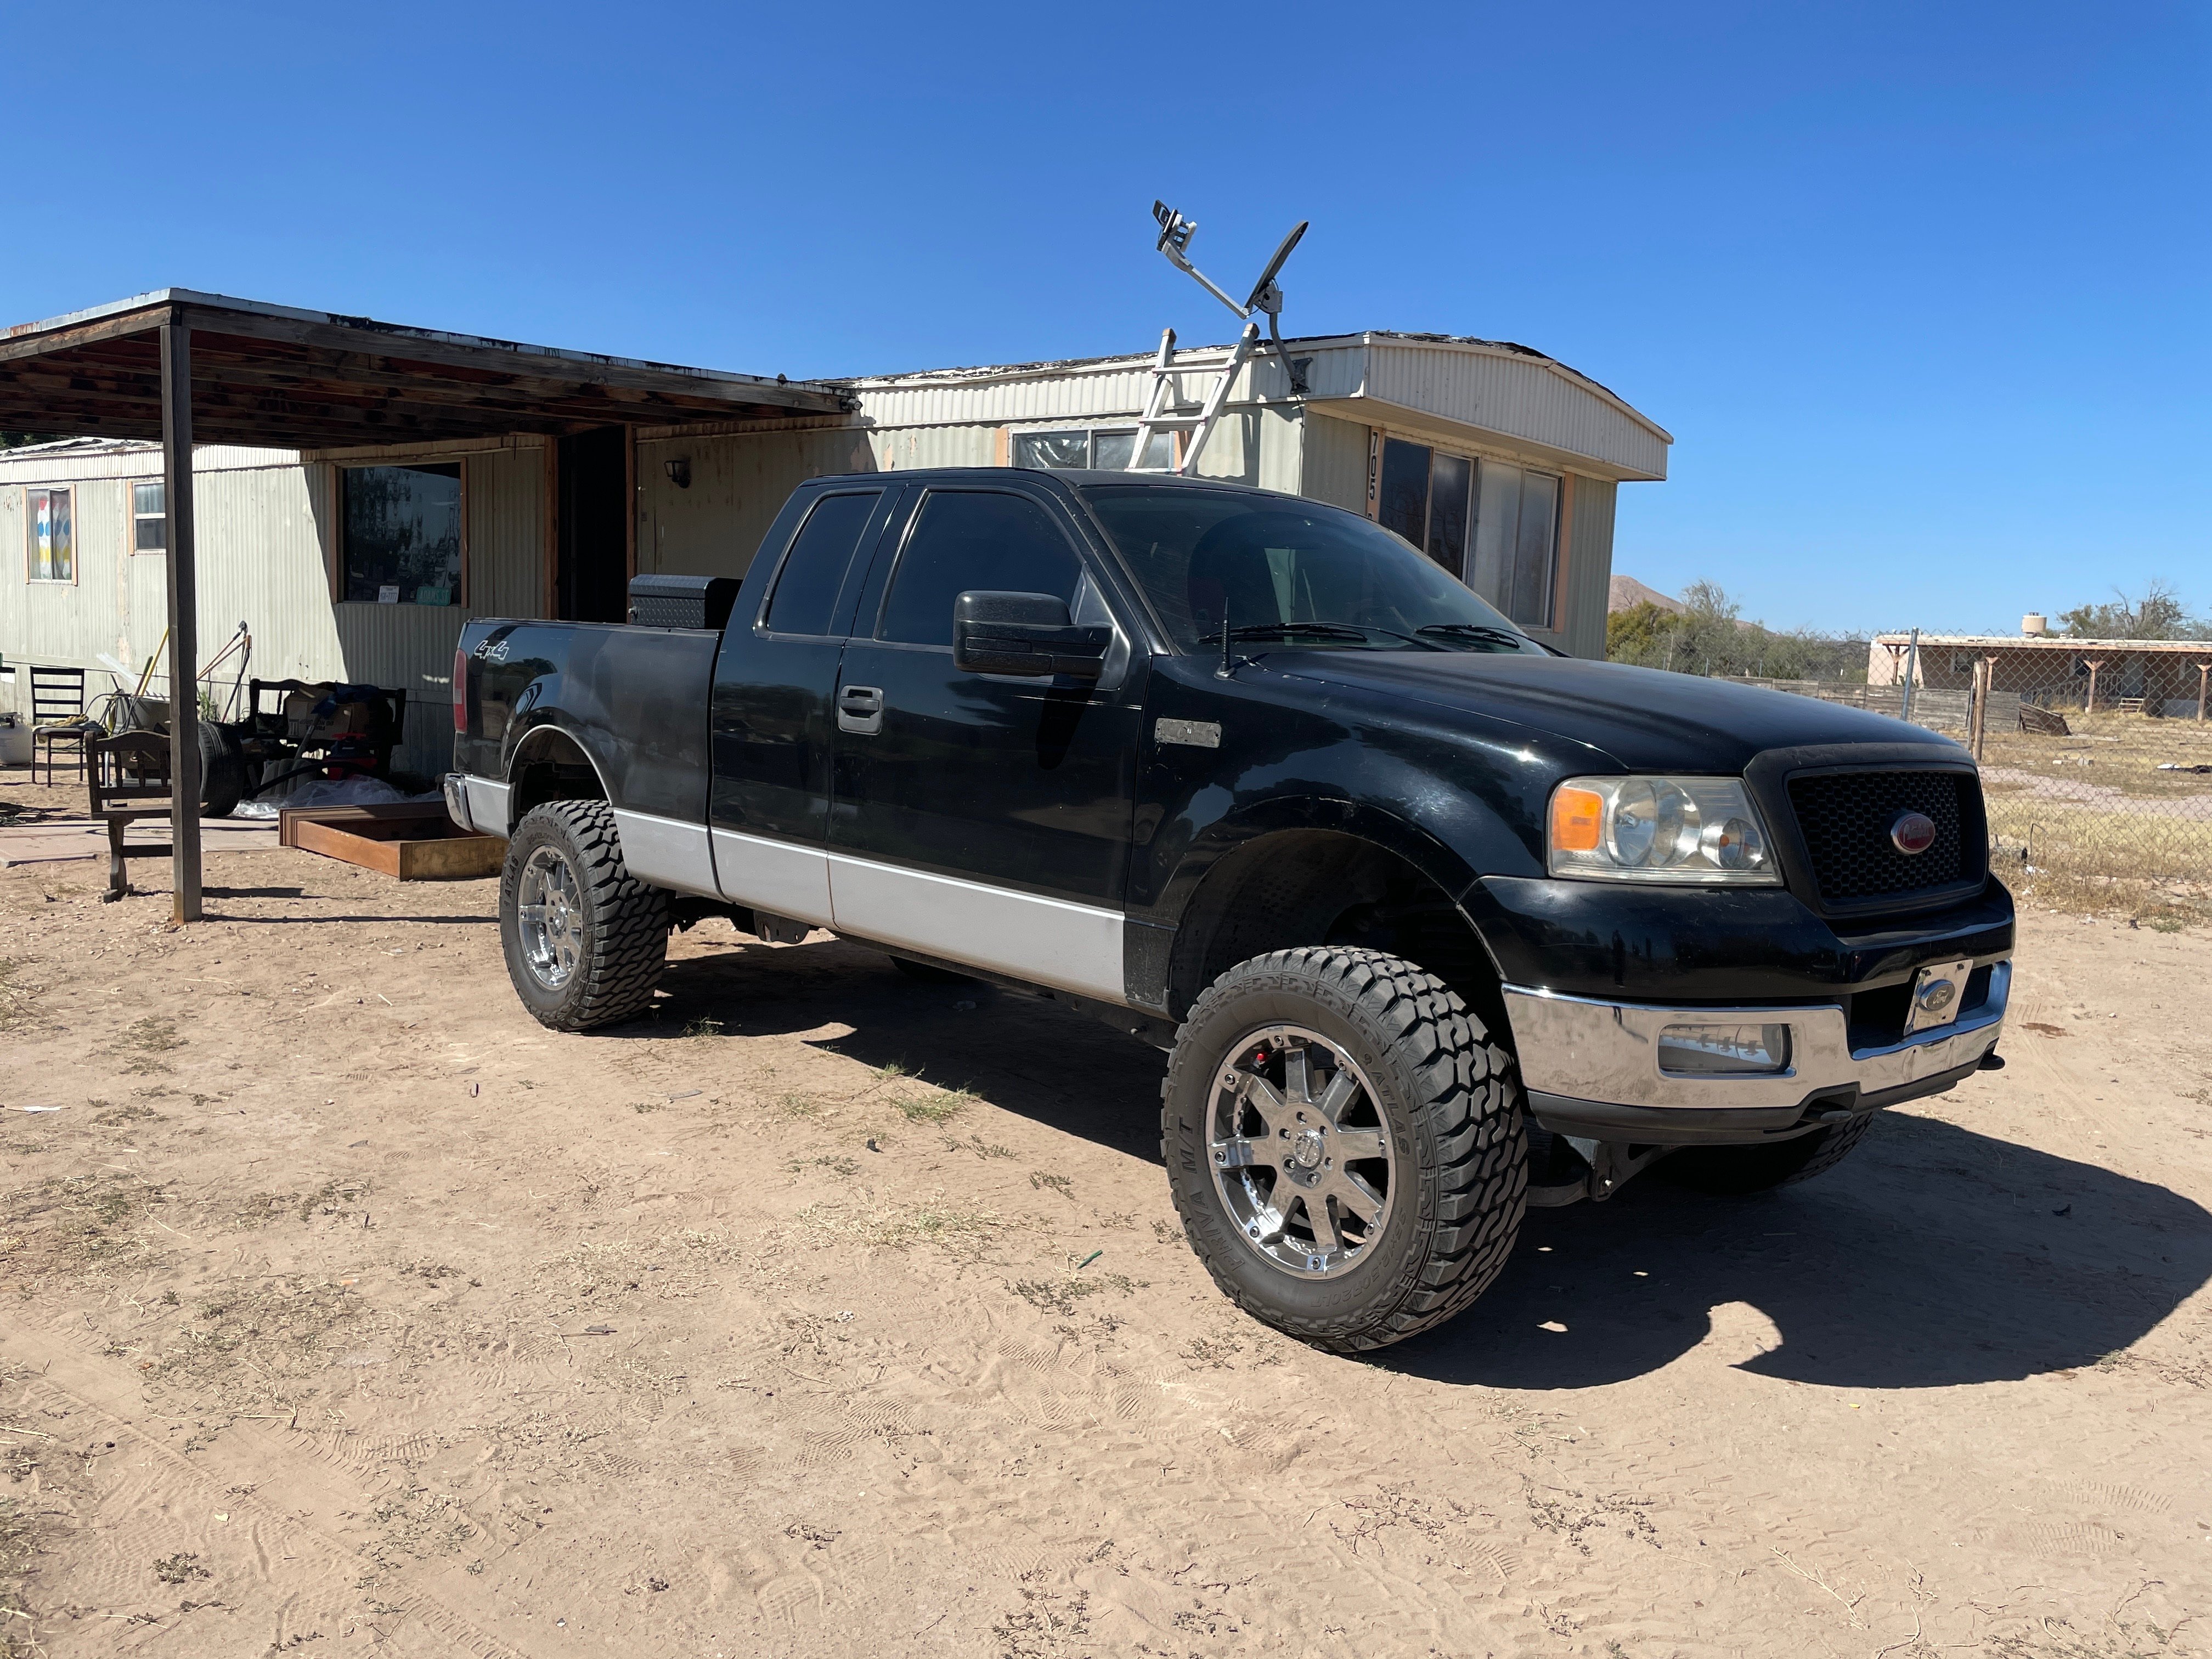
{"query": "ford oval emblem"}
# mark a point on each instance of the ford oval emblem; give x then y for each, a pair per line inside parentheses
(1936, 995)
(1912, 833)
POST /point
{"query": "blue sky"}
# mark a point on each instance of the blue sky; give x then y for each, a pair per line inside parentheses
(1921, 291)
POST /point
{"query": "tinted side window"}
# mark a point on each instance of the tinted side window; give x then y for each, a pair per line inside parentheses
(806, 590)
(968, 540)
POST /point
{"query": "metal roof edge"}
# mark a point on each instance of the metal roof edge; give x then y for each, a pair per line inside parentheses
(2047, 642)
(1197, 358)
(185, 297)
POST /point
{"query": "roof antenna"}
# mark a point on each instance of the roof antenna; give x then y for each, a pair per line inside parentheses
(1267, 295)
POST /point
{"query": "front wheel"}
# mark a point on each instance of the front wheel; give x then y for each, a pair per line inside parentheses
(1345, 1146)
(585, 940)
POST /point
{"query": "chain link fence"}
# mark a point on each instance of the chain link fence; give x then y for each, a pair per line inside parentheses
(2096, 758)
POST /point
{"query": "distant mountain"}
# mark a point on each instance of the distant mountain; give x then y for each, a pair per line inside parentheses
(1627, 593)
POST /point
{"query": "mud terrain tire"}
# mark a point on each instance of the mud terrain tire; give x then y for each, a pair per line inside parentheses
(1444, 1097)
(585, 941)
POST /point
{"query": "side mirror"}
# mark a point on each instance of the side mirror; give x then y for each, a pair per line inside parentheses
(1025, 633)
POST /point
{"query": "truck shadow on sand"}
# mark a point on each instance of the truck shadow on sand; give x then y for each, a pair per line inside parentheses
(1934, 1256)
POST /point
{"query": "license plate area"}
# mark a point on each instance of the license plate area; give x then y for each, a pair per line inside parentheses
(1939, 990)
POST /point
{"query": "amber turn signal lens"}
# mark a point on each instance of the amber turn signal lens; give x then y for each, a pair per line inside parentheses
(1577, 815)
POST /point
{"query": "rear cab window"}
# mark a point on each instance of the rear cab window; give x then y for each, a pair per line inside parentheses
(805, 598)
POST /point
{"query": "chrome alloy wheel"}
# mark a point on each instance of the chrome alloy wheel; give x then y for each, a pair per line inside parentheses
(1301, 1155)
(548, 911)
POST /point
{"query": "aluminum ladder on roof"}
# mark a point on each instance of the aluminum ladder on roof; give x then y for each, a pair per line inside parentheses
(1156, 418)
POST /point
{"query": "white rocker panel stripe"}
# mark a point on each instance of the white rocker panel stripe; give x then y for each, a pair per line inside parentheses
(666, 852)
(1070, 947)
(774, 876)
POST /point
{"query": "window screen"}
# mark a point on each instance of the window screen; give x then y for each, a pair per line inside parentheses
(149, 524)
(967, 540)
(806, 590)
(403, 534)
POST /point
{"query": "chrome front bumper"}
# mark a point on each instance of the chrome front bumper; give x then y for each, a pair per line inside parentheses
(1590, 1065)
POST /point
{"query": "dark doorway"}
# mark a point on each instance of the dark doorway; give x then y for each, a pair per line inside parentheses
(594, 518)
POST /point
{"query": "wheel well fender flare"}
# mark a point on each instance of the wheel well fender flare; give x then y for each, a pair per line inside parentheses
(548, 738)
(1236, 831)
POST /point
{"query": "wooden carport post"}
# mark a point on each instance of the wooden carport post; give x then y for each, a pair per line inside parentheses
(184, 618)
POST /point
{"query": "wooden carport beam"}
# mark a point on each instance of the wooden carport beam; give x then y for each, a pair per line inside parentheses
(176, 339)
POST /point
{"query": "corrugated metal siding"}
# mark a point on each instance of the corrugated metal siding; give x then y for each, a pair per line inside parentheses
(1281, 435)
(408, 648)
(1085, 392)
(919, 446)
(263, 532)
(738, 484)
(260, 540)
(1589, 567)
(130, 461)
(507, 533)
(1515, 397)
(1335, 462)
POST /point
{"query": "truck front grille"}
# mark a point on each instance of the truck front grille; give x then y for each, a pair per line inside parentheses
(1845, 818)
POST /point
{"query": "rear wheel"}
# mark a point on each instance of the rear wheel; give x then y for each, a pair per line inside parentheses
(1736, 1171)
(1344, 1144)
(585, 940)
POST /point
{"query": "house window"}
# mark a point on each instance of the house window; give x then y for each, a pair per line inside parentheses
(52, 525)
(150, 519)
(1514, 561)
(402, 533)
(1425, 499)
(1493, 525)
(1106, 451)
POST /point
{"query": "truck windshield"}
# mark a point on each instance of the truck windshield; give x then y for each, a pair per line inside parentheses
(1310, 577)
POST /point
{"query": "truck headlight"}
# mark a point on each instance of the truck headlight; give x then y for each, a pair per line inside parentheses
(1698, 831)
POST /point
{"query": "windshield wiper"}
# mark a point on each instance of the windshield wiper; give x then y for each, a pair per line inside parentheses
(1322, 630)
(1478, 631)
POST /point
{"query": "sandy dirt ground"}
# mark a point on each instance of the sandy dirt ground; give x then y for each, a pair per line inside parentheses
(343, 1309)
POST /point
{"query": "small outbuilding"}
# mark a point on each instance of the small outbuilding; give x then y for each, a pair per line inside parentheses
(2168, 677)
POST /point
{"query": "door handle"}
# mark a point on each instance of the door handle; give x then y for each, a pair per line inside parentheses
(860, 709)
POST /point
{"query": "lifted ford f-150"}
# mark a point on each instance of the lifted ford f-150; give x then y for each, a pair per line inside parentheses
(1434, 923)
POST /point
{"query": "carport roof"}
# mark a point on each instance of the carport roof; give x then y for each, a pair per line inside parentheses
(279, 377)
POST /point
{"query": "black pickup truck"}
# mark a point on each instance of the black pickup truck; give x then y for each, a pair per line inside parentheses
(1434, 923)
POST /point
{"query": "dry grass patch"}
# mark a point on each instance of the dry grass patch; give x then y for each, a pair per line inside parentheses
(72, 1226)
(940, 1107)
(273, 1332)
(964, 1233)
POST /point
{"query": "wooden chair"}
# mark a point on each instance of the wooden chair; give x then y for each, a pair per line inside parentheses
(57, 723)
(129, 777)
